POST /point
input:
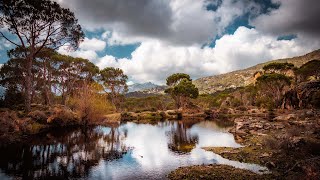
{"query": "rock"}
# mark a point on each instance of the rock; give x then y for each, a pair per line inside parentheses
(256, 125)
(253, 111)
(285, 117)
(264, 155)
(270, 165)
(310, 113)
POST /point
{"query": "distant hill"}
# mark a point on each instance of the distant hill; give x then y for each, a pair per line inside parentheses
(245, 77)
(145, 89)
(141, 87)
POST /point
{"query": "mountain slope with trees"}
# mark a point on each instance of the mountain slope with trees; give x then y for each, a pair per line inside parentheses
(241, 78)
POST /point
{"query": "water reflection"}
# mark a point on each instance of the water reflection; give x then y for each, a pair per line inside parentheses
(60, 154)
(127, 151)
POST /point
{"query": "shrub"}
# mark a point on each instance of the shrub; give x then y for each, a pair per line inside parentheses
(90, 104)
(8, 122)
(242, 108)
(38, 116)
(63, 116)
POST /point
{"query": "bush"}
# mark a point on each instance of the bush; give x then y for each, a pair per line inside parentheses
(38, 116)
(90, 104)
(151, 103)
(242, 108)
(63, 116)
(8, 122)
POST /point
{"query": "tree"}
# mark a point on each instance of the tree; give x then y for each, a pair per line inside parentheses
(70, 72)
(280, 68)
(272, 86)
(181, 89)
(311, 68)
(115, 83)
(37, 24)
(174, 79)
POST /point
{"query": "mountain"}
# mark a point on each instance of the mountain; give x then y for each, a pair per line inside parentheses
(145, 90)
(142, 87)
(245, 77)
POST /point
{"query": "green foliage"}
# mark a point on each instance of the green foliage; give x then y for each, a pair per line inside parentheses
(39, 23)
(277, 67)
(34, 26)
(185, 88)
(208, 101)
(311, 68)
(174, 79)
(115, 83)
(273, 78)
(152, 103)
(181, 89)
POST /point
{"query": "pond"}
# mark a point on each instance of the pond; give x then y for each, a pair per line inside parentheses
(125, 151)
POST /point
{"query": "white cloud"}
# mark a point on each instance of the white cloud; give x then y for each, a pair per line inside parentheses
(171, 32)
(155, 60)
(87, 49)
(93, 44)
(86, 54)
(179, 22)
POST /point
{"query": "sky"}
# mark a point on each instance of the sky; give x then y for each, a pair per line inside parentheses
(152, 39)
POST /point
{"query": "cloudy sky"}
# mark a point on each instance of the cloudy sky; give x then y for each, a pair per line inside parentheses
(151, 39)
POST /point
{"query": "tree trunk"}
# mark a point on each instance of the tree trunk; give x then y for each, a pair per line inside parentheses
(28, 82)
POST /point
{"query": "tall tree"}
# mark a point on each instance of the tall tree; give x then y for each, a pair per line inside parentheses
(181, 89)
(35, 24)
(70, 73)
(115, 83)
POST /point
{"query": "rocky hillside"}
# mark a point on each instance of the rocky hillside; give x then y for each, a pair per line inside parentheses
(145, 90)
(141, 87)
(245, 77)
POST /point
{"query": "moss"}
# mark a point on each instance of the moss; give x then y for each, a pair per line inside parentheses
(215, 172)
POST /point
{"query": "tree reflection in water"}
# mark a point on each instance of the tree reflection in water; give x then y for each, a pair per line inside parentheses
(180, 138)
(62, 154)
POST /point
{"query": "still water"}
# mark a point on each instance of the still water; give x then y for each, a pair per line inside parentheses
(126, 151)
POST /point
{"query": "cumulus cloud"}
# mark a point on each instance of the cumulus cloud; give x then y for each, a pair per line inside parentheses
(182, 22)
(292, 17)
(171, 34)
(155, 60)
(87, 49)
(93, 44)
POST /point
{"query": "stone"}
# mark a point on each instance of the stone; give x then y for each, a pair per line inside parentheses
(285, 117)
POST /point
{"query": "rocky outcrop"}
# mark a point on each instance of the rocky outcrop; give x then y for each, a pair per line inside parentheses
(305, 95)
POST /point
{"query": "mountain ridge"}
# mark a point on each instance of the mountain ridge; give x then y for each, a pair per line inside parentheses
(244, 77)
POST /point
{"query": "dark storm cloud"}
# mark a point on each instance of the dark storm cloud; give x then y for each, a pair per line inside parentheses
(148, 17)
(300, 17)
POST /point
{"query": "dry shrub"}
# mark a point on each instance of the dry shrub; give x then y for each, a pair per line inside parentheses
(63, 116)
(8, 122)
(90, 103)
(271, 142)
(38, 116)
